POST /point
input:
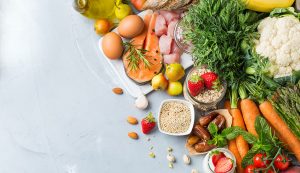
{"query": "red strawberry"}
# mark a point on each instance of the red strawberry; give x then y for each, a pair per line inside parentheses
(224, 165)
(148, 123)
(216, 156)
(211, 80)
(195, 84)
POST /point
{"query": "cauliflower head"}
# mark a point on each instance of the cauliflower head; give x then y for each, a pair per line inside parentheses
(280, 42)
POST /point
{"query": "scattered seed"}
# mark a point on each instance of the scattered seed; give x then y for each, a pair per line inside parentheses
(152, 155)
(148, 139)
(169, 149)
(117, 90)
(151, 148)
(170, 165)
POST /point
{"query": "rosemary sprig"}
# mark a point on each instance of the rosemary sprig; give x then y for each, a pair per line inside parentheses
(135, 56)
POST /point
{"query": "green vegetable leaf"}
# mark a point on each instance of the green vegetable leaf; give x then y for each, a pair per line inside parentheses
(281, 12)
(248, 158)
(263, 130)
(251, 139)
(213, 129)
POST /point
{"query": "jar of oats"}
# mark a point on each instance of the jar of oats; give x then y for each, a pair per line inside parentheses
(207, 99)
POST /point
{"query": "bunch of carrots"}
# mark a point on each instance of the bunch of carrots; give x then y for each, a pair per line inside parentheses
(244, 113)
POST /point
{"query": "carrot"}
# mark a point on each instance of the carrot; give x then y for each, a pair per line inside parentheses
(249, 111)
(286, 135)
(234, 149)
(227, 105)
(237, 117)
(241, 144)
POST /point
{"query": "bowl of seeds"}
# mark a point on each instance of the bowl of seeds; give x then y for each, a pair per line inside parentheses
(176, 117)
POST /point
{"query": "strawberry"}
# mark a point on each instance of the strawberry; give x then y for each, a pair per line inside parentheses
(224, 165)
(148, 123)
(211, 80)
(195, 84)
(216, 156)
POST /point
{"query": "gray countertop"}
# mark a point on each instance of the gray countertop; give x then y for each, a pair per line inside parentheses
(57, 111)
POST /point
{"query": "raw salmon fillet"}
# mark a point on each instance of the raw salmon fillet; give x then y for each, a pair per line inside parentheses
(148, 41)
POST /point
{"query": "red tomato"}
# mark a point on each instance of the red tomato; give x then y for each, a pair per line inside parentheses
(249, 169)
(281, 162)
(269, 171)
(260, 161)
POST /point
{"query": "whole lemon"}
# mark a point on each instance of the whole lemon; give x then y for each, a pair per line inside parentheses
(174, 72)
(174, 88)
(122, 10)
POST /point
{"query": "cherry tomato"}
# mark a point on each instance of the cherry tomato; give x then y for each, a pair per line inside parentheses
(260, 161)
(249, 169)
(281, 162)
(269, 171)
(102, 26)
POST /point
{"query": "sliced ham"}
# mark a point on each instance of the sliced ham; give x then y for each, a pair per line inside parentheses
(175, 48)
(171, 28)
(169, 16)
(160, 26)
(165, 43)
(172, 58)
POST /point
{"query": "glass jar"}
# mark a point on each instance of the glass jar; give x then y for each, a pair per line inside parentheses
(200, 104)
(180, 41)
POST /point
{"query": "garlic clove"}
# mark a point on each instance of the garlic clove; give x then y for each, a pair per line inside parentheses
(171, 158)
(186, 159)
(141, 102)
(194, 171)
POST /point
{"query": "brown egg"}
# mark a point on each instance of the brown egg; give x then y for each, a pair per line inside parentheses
(131, 26)
(112, 45)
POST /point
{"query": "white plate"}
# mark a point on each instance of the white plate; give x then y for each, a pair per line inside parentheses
(131, 87)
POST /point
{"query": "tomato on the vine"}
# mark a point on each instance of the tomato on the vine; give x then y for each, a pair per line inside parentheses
(281, 162)
(249, 169)
(269, 171)
(260, 161)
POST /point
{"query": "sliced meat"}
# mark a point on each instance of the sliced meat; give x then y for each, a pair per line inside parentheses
(165, 43)
(175, 48)
(161, 26)
(171, 27)
(172, 58)
(169, 16)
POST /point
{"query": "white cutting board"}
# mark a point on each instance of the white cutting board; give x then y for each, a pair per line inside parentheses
(134, 89)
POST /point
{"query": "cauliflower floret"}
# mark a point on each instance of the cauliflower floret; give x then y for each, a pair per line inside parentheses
(280, 43)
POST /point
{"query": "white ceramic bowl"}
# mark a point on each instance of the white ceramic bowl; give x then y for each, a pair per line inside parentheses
(189, 105)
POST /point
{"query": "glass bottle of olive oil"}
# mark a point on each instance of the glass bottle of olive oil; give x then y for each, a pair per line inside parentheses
(96, 9)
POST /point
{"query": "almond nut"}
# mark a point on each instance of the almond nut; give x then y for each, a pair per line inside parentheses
(118, 91)
(133, 135)
(132, 120)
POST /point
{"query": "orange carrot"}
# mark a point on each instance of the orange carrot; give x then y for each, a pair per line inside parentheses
(241, 144)
(286, 135)
(237, 120)
(227, 105)
(234, 149)
(249, 111)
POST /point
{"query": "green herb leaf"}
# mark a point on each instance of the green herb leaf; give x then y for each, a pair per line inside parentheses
(213, 129)
(248, 158)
